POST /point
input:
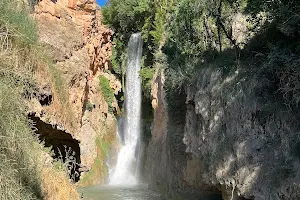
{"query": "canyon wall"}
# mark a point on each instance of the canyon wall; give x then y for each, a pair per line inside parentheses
(233, 138)
(69, 96)
(241, 138)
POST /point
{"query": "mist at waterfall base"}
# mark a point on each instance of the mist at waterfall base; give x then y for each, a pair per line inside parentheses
(126, 170)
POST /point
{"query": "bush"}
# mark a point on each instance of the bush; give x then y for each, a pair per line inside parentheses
(146, 75)
(89, 106)
(107, 91)
(17, 24)
(19, 150)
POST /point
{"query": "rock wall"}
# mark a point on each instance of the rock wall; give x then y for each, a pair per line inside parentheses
(245, 142)
(78, 48)
(239, 139)
(165, 154)
(157, 149)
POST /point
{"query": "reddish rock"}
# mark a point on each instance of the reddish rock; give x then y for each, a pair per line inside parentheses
(81, 47)
(72, 4)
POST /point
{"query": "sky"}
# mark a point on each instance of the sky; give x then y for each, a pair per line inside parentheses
(101, 2)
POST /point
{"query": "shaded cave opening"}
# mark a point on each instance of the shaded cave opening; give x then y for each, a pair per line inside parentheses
(45, 100)
(216, 196)
(63, 145)
(211, 194)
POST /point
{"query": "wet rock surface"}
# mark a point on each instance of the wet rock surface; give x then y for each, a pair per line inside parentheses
(233, 145)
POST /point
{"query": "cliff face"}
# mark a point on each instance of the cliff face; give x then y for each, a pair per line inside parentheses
(238, 142)
(165, 153)
(157, 148)
(78, 47)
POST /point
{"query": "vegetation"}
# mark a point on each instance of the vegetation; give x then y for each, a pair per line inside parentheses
(89, 106)
(22, 173)
(146, 75)
(107, 91)
(99, 170)
(19, 149)
(17, 24)
(130, 16)
(61, 98)
(193, 34)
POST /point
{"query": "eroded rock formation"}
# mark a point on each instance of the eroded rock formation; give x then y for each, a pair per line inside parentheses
(234, 145)
(80, 46)
(240, 145)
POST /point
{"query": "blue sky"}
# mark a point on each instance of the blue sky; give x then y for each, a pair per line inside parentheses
(101, 2)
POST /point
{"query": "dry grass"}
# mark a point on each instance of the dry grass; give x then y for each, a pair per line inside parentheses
(61, 106)
(22, 175)
(56, 186)
(19, 149)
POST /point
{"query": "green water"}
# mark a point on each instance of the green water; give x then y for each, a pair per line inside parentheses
(140, 192)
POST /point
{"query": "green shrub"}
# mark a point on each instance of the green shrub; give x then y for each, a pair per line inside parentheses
(115, 61)
(146, 75)
(20, 171)
(16, 22)
(107, 91)
(89, 106)
(130, 16)
(19, 149)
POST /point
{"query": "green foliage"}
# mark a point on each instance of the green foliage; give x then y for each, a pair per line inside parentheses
(198, 32)
(126, 17)
(116, 66)
(146, 75)
(184, 28)
(284, 12)
(107, 91)
(89, 106)
(121, 14)
(193, 34)
(19, 149)
(129, 16)
(16, 23)
(119, 59)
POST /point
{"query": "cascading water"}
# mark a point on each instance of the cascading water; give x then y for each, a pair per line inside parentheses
(126, 170)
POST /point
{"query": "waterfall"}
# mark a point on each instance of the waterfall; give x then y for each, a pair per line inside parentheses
(126, 170)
